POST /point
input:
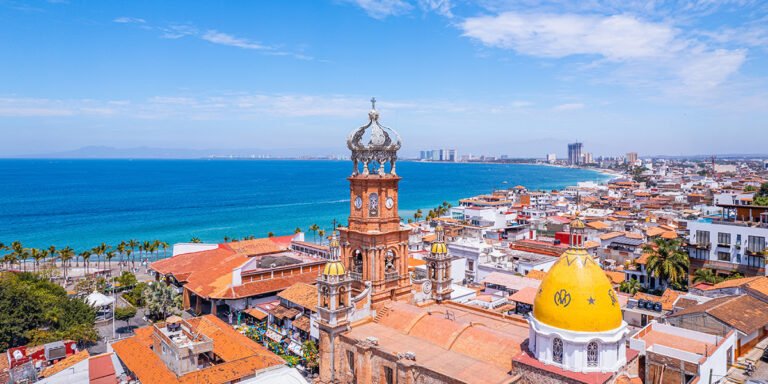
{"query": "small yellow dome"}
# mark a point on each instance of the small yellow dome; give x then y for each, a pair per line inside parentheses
(576, 295)
(577, 224)
(439, 248)
(334, 268)
(334, 243)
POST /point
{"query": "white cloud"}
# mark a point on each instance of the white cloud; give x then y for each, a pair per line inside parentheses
(441, 7)
(614, 37)
(381, 9)
(129, 20)
(568, 107)
(217, 37)
(638, 51)
(178, 31)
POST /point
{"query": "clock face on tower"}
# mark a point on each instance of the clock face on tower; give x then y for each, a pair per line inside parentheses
(358, 202)
(390, 203)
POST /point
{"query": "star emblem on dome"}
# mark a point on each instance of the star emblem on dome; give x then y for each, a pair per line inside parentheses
(591, 300)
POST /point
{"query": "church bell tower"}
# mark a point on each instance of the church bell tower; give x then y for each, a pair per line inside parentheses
(375, 244)
(439, 268)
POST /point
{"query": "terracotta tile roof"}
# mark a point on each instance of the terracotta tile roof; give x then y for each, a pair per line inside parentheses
(669, 235)
(257, 313)
(525, 295)
(301, 294)
(759, 286)
(209, 273)
(634, 235)
(735, 282)
(265, 286)
(591, 244)
(241, 355)
(536, 274)
(101, 369)
(744, 312)
(599, 225)
(282, 312)
(668, 299)
(302, 323)
(65, 363)
(654, 231)
(615, 277)
(611, 235)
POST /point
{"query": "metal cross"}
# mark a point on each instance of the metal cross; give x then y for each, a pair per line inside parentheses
(373, 102)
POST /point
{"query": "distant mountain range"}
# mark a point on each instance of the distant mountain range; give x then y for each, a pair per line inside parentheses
(105, 152)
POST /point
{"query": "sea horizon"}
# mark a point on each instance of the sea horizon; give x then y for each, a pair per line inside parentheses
(84, 202)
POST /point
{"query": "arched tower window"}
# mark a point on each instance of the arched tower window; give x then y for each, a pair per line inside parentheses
(592, 354)
(342, 297)
(389, 261)
(433, 271)
(324, 297)
(357, 261)
(557, 350)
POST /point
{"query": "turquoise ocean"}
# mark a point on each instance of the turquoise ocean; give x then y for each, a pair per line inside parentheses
(81, 203)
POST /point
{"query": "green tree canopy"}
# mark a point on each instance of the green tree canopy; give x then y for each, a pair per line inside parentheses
(36, 311)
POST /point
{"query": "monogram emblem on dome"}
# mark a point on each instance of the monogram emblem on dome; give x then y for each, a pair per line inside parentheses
(612, 295)
(562, 298)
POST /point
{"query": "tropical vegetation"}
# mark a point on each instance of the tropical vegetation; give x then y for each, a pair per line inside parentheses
(667, 261)
(37, 311)
(161, 301)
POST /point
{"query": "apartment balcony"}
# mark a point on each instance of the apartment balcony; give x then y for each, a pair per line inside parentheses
(724, 266)
(700, 245)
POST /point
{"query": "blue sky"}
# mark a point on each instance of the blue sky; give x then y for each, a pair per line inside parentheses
(521, 78)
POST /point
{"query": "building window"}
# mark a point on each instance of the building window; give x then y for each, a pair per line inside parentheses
(724, 256)
(557, 350)
(701, 254)
(755, 244)
(351, 361)
(724, 239)
(756, 261)
(389, 375)
(702, 237)
(592, 354)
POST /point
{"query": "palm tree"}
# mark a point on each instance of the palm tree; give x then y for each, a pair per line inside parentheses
(314, 228)
(195, 240)
(37, 255)
(65, 255)
(44, 253)
(270, 234)
(110, 255)
(52, 254)
(666, 260)
(121, 250)
(153, 248)
(100, 250)
(133, 244)
(164, 246)
(226, 239)
(147, 248)
(297, 230)
(20, 254)
(321, 233)
(10, 259)
(129, 254)
(161, 300)
(705, 275)
(86, 255)
(418, 215)
(630, 286)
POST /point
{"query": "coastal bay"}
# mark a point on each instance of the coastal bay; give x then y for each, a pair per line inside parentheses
(82, 203)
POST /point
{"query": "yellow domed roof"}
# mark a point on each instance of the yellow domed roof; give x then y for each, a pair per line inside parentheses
(577, 224)
(576, 295)
(438, 247)
(334, 268)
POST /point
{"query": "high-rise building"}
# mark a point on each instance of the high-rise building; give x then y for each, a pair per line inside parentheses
(588, 158)
(438, 155)
(631, 158)
(574, 153)
(551, 158)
